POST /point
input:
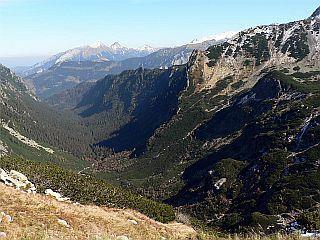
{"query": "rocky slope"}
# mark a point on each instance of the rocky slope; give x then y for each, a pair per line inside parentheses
(262, 155)
(316, 13)
(289, 45)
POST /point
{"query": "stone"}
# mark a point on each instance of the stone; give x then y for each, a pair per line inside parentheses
(3, 235)
(9, 218)
(122, 238)
(18, 176)
(5, 218)
(133, 221)
(63, 223)
(17, 180)
(58, 196)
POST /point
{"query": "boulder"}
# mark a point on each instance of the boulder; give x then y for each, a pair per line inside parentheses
(63, 223)
(56, 195)
(122, 238)
(17, 180)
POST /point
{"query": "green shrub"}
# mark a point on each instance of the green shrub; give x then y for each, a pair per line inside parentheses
(310, 220)
(86, 189)
(259, 220)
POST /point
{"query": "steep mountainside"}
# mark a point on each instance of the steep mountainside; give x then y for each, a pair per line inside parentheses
(124, 110)
(257, 148)
(66, 75)
(54, 143)
(28, 126)
(263, 154)
(316, 13)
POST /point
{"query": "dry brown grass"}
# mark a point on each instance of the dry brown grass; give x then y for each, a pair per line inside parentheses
(36, 217)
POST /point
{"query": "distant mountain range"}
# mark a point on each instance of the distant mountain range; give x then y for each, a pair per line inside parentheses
(95, 52)
(68, 69)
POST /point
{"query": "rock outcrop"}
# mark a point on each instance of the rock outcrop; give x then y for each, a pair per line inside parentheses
(17, 180)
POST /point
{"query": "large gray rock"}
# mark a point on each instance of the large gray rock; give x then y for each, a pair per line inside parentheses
(17, 180)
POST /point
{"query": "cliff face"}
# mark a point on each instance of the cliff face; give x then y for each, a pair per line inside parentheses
(252, 51)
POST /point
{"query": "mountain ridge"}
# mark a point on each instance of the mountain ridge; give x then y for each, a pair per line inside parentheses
(316, 13)
(66, 75)
(94, 52)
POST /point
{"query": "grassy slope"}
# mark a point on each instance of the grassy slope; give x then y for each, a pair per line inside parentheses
(36, 217)
(85, 189)
(19, 149)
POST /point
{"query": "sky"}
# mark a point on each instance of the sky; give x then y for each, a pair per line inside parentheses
(38, 28)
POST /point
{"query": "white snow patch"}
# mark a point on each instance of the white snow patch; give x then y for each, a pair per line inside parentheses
(217, 37)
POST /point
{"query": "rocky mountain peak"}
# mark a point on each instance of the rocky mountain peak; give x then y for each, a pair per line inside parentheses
(216, 37)
(116, 46)
(316, 13)
(147, 48)
(98, 44)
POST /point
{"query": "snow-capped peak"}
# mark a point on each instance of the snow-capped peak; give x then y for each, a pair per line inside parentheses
(116, 46)
(93, 52)
(98, 44)
(146, 48)
(216, 37)
(224, 35)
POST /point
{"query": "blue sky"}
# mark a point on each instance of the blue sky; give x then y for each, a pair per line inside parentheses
(44, 27)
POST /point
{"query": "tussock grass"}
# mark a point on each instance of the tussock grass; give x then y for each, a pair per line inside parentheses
(36, 217)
